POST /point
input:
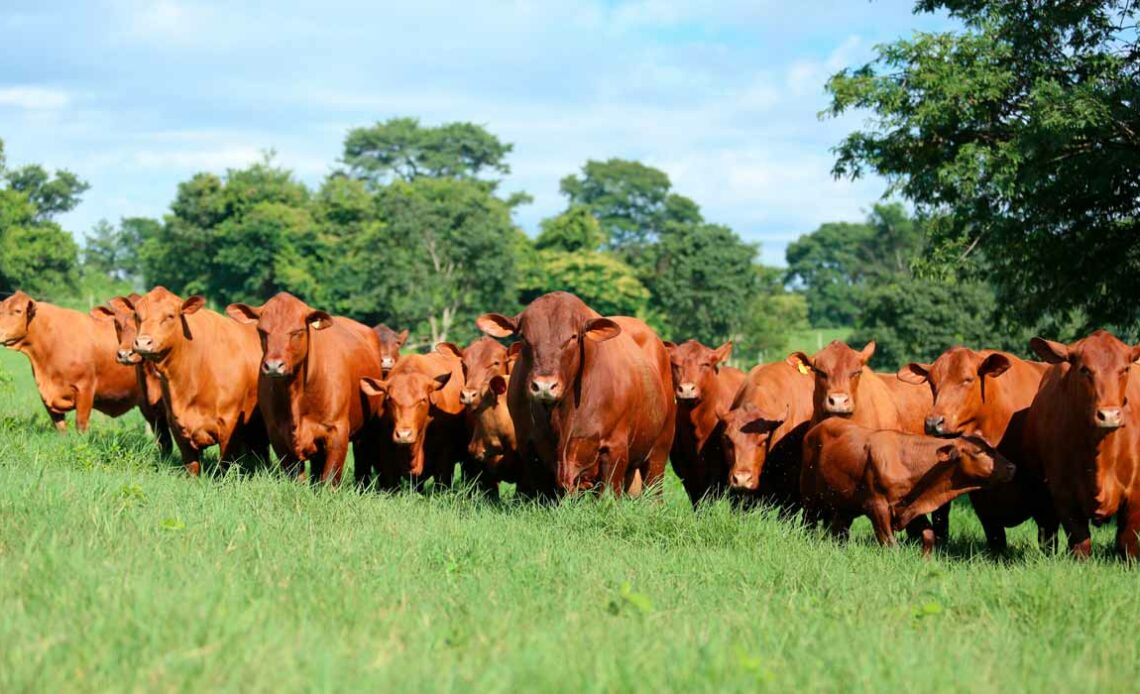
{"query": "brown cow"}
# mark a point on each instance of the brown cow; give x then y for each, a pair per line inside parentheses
(704, 391)
(390, 344)
(591, 397)
(764, 433)
(491, 449)
(843, 381)
(987, 394)
(422, 423)
(1084, 428)
(208, 366)
(309, 386)
(73, 360)
(892, 477)
(150, 389)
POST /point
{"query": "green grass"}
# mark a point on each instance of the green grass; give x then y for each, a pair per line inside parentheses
(812, 340)
(118, 573)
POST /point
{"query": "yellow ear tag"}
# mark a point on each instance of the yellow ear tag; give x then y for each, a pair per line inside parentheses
(801, 367)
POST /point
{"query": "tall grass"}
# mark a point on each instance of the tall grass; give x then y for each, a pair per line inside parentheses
(118, 573)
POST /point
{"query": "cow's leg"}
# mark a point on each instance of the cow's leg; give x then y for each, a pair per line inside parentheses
(940, 520)
(84, 403)
(995, 536)
(364, 459)
(1047, 531)
(839, 525)
(318, 464)
(1127, 527)
(162, 434)
(191, 457)
(1077, 528)
(334, 460)
(293, 467)
(58, 420)
(880, 514)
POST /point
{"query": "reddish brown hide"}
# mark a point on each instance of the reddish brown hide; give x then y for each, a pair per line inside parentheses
(208, 367)
(987, 394)
(422, 427)
(491, 448)
(704, 390)
(390, 344)
(763, 437)
(150, 389)
(309, 385)
(1084, 429)
(591, 397)
(73, 360)
(892, 477)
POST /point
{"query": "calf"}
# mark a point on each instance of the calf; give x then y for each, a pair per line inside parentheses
(422, 423)
(491, 449)
(309, 384)
(591, 397)
(892, 477)
(764, 431)
(987, 394)
(150, 390)
(704, 390)
(390, 344)
(208, 366)
(1084, 428)
(73, 360)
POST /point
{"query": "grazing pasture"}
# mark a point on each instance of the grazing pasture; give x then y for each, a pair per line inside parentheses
(121, 573)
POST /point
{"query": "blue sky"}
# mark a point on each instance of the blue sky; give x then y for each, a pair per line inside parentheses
(137, 95)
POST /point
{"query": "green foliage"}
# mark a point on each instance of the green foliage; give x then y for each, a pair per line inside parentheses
(265, 250)
(772, 315)
(402, 149)
(1023, 128)
(576, 229)
(49, 195)
(703, 281)
(604, 282)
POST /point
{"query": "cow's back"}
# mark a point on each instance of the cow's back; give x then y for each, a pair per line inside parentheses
(912, 402)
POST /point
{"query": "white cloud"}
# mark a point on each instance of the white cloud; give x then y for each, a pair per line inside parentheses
(34, 98)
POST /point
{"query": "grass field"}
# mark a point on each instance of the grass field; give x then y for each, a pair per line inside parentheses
(118, 573)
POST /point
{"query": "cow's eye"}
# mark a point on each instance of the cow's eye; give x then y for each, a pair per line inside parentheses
(857, 374)
(968, 380)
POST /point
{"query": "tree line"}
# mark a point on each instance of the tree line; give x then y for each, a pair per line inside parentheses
(1010, 145)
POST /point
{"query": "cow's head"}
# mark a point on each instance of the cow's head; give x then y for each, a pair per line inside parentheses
(390, 344)
(407, 400)
(160, 318)
(957, 379)
(1097, 374)
(121, 310)
(283, 324)
(486, 367)
(747, 438)
(838, 370)
(961, 465)
(16, 314)
(695, 368)
(554, 329)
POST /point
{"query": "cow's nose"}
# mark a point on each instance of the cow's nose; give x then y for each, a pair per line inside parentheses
(1109, 418)
(387, 363)
(143, 343)
(839, 403)
(935, 425)
(687, 391)
(467, 396)
(742, 479)
(273, 367)
(545, 389)
(124, 356)
(404, 436)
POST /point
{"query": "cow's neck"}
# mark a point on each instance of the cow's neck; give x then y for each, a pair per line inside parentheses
(930, 489)
(700, 420)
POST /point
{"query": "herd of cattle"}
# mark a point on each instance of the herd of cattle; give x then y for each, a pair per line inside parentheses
(581, 401)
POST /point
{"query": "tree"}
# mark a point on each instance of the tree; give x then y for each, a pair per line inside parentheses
(50, 195)
(772, 314)
(1022, 129)
(703, 281)
(604, 282)
(632, 201)
(402, 149)
(576, 229)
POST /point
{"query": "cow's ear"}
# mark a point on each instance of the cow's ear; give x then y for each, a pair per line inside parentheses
(124, 304)
(1135, 354)
(401, 337)
(1052, 352)
(449, 349)
(192, 304)
(669, 346)
(601, 329)
(318, 320)
(994, 365)
(800, 362)
(514, 351)
(497, 325)
(243, 313)
(948, 453)
(498, 385)
(30, 311)
(722, 353)
(761, 425)
(102, 313)
(867, 352)
(442, 380)
(914, 373)
(373, 386)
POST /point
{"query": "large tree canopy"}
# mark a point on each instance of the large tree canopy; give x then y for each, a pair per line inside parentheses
(402, 149)
(1023, 131)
